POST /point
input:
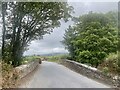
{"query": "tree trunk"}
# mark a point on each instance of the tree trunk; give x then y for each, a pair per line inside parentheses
(4, 29)
(17, 50)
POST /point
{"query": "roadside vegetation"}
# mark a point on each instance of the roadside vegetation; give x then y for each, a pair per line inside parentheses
(56, 58)
(27, 59)
(53, 59)
(93, 40)
(110, 65)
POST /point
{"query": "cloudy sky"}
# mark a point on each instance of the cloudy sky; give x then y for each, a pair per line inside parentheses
(51, 43)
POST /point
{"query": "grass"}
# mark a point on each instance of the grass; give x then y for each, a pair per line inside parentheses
(53, 59)
(56, 58)
(28, 59)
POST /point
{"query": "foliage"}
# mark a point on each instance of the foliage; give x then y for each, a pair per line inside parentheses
(0, 53)
(27, 59)
(69, 36)
(119, 39)
(56, 58)
(53, 59)
(27, 21)
(119, 62)
(110, 64)
(95, 36)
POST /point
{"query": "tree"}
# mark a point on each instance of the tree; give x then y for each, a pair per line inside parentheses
(96, 37)
(27, 21)
(69, 36)
(119, 37)
(4, 28)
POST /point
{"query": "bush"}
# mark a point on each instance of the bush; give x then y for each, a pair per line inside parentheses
(111, 63)
(84, 57)
(91, 58)
(28, 59)
(53, 59)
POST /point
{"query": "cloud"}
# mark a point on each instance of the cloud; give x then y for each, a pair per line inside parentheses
(81, 8)
(57, 50)
(39, 49)
(50, 42)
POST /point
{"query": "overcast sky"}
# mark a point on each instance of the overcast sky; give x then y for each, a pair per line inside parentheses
(51, 43)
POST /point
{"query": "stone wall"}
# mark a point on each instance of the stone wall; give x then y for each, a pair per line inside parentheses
(91, 72)
(23, 70)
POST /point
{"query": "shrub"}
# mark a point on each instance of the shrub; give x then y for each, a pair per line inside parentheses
(84, 56)
(111, 63)
(28, 59)
(91, 58)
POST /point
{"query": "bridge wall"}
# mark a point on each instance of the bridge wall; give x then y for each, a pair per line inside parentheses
(23, 70)
(91, 72)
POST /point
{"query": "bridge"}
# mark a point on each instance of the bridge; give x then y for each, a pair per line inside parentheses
(53, 75)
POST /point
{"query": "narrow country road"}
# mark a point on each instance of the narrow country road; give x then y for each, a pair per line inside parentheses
(53, 75)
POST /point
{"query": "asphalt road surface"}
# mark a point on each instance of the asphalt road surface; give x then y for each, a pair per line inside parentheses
(53, 75)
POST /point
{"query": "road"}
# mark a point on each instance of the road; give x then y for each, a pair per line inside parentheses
(53, 75)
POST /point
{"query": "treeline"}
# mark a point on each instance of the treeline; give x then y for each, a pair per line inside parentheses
(92, 37)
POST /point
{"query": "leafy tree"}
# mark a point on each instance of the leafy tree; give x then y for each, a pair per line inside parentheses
(69, 36)
(27, 21)
(119, 38)
(113, 17)
(96, 38)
